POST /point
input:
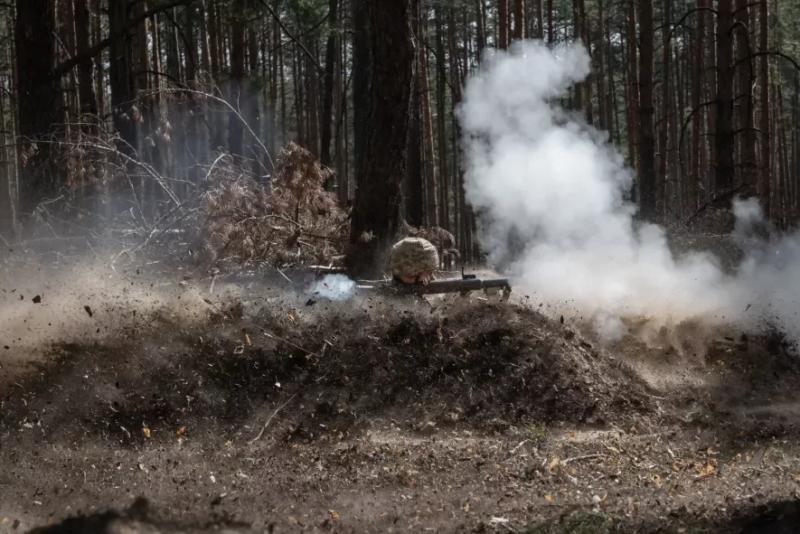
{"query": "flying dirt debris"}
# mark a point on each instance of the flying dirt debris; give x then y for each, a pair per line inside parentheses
(257, 258)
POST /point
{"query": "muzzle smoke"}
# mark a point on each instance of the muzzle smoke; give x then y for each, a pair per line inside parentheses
(334, 287)
(551, 193)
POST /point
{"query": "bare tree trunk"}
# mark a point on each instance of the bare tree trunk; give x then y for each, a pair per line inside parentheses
(88, 103)
(8, 222)
(341, 155)
(441, 113)
(383, 80)
(698, 120)
(414, 194)
(647, 172)
(587, 85)
(747, 165)
(502, 24)
(214, 40)
(765, 176)
(428, 152)
(665, 167)
(632, 88)
(312, 101)
(99, 72)
(65, 24)
(235, 128)
(782, 159)
(40, 106)
(519, 19)
(724, 135)
(538, 8)
(123, 86)
(272, 109)
(331, 60)
(604, 122)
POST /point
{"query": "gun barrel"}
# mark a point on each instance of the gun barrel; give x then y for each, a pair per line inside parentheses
(456, 286)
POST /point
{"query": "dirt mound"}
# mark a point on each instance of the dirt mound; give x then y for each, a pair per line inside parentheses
(138, 518)
(486, 366)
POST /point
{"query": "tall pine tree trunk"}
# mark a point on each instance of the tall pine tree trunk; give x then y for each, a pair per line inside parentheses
(383, 80)
(666, 165)
(747, 165)
(502, 24)
(647, 172)
(8, 220)
(441, 123)
(331, 55)
(632, 107)
(123, 86)
(765, 151)
(414, 195)
(40, 105)
(724, 134)
(698, 165)
(519, 19)
(235, 127)
(428, 151)
(88, 103)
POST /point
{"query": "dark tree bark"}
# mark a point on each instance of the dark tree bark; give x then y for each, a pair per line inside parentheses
(698, 161)
(587, 85)
(8, 219)
(632, 107)
(428, 151)
(414, 194)
(519, 20)
(745, 126)
(40, 105)
(99, 71)
(765, 151)
(480, 17)
(441, 122)
(383, 79)
(88, 103)
(311, 90)
(235, 128)
(647, 170)
(666, 166)
(331, 61)
(123, 85)
(604, 121)
(724, 140)
(502, 24)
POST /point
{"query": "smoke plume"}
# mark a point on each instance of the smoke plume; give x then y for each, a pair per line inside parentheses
(551, 192)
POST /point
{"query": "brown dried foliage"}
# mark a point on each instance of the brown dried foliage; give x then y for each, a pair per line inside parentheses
(296, 222)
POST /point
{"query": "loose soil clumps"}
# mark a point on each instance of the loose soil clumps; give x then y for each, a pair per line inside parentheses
(487, 366)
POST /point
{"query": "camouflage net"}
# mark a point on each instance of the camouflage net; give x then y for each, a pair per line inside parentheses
(297, 222)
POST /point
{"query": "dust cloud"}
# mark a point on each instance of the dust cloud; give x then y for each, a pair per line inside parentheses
(552, 194)
(43, 303)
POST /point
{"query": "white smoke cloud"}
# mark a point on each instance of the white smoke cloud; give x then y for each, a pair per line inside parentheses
(335, 287)
(551, 192)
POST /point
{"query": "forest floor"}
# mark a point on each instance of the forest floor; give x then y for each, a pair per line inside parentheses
(152, 398)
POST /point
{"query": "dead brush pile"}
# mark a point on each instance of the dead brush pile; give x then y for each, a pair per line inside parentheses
(296, 222)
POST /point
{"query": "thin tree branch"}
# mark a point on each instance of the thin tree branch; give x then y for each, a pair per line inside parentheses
(775, 53)
(98, 48)
(686, 15)
(292, 37)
